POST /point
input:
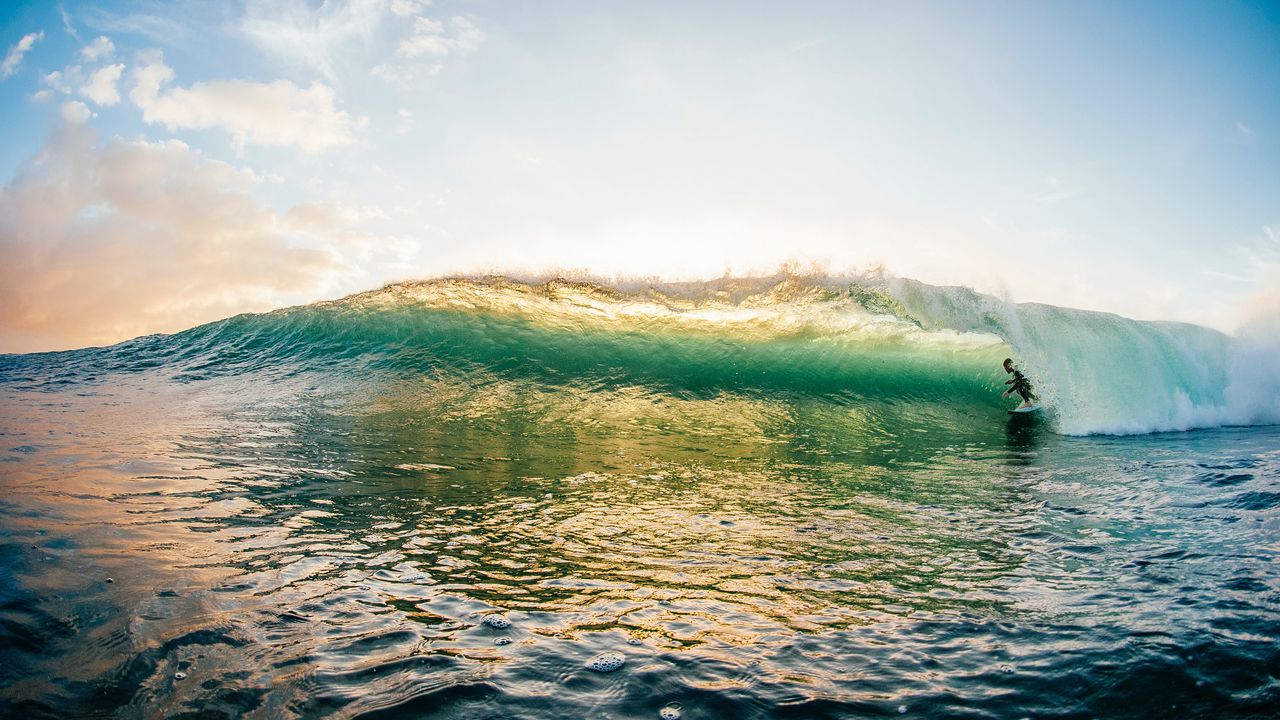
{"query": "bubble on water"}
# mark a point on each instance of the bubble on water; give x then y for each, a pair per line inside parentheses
(606, 662)
(670, 712)
(496, 621)
(1006, 669)
(110, 580)
(902, 709)
(502, 641)
(179, 676)
(634, 641)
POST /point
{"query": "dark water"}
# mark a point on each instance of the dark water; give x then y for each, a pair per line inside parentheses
(284, 540)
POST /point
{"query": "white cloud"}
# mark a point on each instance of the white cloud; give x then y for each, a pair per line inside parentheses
(41, 96)
(466, 35)
(101, 87)
(391, 73)
(56, 81)
(278, 113)
(427, 26)
(104, 241)
(66, 23)
(158, 28)
(407, 8)
(432, 37)
(74, 112)
(1261, 254)
(100, 48)
(340, 227)
(403, 76)
(311, 215)
(1243, 135)
(14, 57)
(312, 37)
(423, 44)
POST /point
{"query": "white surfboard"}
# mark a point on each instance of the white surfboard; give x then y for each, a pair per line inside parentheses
(1033, 408)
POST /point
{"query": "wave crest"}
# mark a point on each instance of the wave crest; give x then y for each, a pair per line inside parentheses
(857, 339)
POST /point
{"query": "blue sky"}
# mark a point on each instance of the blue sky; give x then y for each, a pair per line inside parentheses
(205, 159)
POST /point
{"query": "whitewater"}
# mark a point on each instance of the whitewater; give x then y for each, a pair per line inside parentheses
(785, 496)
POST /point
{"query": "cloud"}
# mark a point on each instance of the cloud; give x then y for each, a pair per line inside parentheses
(102, 241)
(404, 120)
(1260, 255)
(466, 35)
(432, 37)
(393, 74)
(101, 87)
(408, 8)
(427, 39)
(404, 75)
(312, 37)
(74, 112)
(313, 215)
(425, 50)
(66, 23)
(14, 57)
(57, 81)
(278, 113)
(100, 48)
(342, 227)
(156, 27)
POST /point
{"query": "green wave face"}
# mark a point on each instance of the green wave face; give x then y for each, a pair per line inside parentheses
(582, 338)
(897, 354)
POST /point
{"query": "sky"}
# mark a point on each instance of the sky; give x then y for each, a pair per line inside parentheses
(168, 164)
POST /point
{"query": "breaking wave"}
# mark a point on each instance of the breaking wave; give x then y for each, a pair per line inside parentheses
(873, 342)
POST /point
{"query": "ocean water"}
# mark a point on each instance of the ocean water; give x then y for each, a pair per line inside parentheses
(748, 498)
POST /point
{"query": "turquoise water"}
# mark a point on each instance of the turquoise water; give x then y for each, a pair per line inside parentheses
(773, 498)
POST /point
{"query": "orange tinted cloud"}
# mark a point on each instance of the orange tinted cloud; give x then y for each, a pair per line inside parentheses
(103, 241)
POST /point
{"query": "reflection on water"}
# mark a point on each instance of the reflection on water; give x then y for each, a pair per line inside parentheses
(1024, 434)
(297, 548)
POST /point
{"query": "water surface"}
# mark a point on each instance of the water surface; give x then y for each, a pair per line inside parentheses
(778, 524)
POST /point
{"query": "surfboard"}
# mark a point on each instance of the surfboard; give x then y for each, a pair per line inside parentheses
(1020, 410)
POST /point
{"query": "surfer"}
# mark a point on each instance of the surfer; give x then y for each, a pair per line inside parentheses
(1020, 384)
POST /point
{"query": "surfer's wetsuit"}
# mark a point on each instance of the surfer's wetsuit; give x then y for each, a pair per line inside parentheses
(1021, 385)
